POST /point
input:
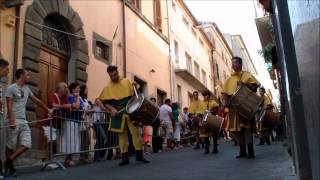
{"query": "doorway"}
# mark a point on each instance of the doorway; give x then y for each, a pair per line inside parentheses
(53, 68)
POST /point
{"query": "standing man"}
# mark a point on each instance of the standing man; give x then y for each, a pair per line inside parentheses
(115, 96)
(19, 134)
(167, 122)
(240, 127)
(4, 71)
(212, 106)
(195, 111)
(267, 106)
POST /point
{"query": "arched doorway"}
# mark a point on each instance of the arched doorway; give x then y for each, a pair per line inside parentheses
(54, 50)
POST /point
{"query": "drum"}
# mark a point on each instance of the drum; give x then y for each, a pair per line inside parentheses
(213, 123)
(270, 118)
(142, 110)
(245, 102)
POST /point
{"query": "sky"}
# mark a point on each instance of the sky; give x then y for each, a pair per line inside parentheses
(236, 17)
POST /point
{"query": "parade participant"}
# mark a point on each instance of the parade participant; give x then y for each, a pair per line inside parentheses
(194, 112)
(240, 127)
(4, 71)
(265, 132)
(115, 96)
(19, 133)
(211, 105)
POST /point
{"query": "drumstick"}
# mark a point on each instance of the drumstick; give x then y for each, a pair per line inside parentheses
(135, 91)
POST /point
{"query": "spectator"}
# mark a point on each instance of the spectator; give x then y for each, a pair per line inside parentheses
(85, 126)
(19, 134)
(156, 138)
(177, 119)
(70, 142)
(4, 70)
(59, 102)
(167, 122)
(99, 127)
(186, 117)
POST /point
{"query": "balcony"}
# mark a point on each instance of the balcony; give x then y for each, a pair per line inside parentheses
(12, 3)
(191, 79)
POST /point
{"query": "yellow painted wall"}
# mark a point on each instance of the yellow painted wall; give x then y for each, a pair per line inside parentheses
(7, 38)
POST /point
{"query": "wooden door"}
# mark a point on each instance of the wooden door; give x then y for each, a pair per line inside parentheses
(53, 68)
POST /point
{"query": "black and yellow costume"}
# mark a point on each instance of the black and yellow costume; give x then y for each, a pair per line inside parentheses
(210, 105)
(117, 95)
(195, 112)
(265, 131)
(240, 127)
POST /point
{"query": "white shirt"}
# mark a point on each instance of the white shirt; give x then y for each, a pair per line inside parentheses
(164, 113)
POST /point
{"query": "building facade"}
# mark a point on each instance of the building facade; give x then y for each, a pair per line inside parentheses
(190, 54)
(221, 55)
(63, 41)
(238, 48)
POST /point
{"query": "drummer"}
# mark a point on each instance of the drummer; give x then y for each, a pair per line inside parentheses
(241, 128)
(115, 96)
(265, 131)
(194, 113)
(211, 105)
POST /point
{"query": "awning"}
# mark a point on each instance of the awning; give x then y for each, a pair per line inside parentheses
(193, 81)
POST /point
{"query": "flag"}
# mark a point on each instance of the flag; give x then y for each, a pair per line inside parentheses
(115, 34)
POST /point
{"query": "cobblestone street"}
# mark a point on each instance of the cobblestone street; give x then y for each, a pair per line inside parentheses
(271, 163)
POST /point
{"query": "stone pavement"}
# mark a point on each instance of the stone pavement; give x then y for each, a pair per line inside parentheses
(271, 163)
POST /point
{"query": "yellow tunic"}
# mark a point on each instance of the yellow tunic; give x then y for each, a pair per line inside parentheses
(117, 91)
(206, 105)
(266, 101)
(234, 121)
(195, 107)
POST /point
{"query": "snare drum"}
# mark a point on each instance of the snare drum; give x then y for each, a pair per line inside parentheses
(270, 118)
(142, 110)
(245, 102)
(212, 123)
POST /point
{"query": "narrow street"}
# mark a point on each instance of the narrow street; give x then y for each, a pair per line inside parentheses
(271, 163)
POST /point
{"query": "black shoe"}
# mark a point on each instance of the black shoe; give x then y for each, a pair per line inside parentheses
(215, 149)
(140, 158)
(110, 154)
(1, 169)
(9, 171)
(243, 152)
(250, 151)
(125, 159)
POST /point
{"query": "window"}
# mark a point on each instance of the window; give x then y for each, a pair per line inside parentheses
(185, 21)
(217, 71)
(161, 96)
(197, 70)
(102, 49)
(136, 3)
(189, 97)
(157, 14)
(189, 63)
(176, 51)
(204, 77)
(179, 94)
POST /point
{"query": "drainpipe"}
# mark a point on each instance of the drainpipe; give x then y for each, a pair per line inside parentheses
(16, 42)
(172, 87)
(213, 71)
(124, 48)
